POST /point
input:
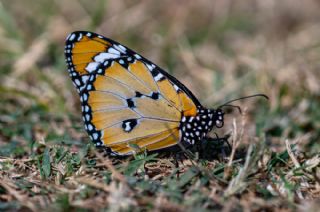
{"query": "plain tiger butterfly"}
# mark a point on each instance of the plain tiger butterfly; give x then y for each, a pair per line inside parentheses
(129, 103)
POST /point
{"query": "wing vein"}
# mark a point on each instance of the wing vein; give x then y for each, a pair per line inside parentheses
(158, 86)
(148, 136)
(148, 118)
(98, 62)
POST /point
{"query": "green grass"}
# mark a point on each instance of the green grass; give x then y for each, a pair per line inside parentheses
(220, 52)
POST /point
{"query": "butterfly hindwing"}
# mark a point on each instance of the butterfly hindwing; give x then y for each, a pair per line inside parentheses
(127, 101)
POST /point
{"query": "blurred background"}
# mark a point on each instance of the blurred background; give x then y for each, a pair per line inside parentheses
(220, 49)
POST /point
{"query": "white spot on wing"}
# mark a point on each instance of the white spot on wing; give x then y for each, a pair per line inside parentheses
(86, 108)
(85, 97)
(92, 66)
(113, 51)
(84, 79)
(71, 37)
(150, 67)
(82, 87)
(95, 136)
(158, 77)
(176, 87)
(77, 82)
(137, 56)
(100, 71)
(90, 127)
(102, 57)
(121, 48)
(80, 37)
(127, 128)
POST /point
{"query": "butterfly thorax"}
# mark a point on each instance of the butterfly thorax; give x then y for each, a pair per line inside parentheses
(194, 128)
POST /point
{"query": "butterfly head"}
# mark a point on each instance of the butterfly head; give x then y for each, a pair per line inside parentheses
(217, 117)
(218, 113)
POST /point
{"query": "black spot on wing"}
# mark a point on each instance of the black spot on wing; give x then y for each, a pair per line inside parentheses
(154, 95)
(130, 103)
(155, 72)
(129, 124)
(138, 94)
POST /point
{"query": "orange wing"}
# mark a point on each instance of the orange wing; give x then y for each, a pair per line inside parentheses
(127, 101)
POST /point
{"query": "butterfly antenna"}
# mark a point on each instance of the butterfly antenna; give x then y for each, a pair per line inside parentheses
(245, 97)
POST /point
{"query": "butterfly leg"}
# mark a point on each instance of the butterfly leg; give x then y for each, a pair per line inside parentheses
(179, 158)
(223, 140)
(212, 148)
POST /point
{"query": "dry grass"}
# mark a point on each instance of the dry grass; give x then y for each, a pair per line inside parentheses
(221, 50)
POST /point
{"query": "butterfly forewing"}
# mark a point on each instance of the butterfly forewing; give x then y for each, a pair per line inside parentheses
(128, 103)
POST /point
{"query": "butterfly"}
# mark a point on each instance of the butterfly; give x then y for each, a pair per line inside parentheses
(130, 104)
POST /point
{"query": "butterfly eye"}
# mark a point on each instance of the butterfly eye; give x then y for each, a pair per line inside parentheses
(219, 123)
(219, 118)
